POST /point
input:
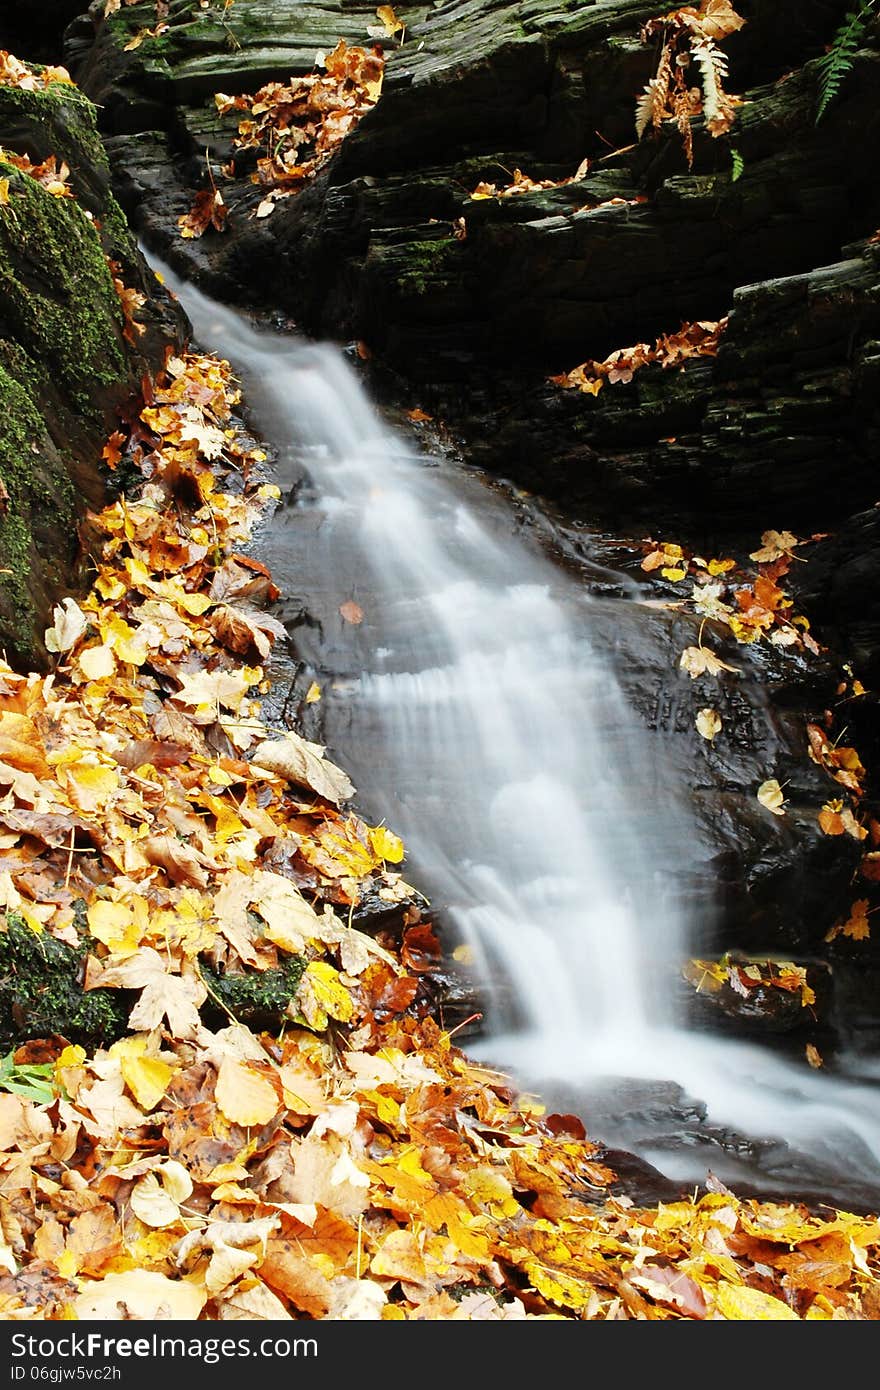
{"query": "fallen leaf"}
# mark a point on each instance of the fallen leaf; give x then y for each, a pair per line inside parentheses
(814, 1057)
(70, 622)
(303, 763)
(698, 661)
(245, 1096)
(708, 723)
(739, 1302)
(163, 995)
(143, 1294)
(351, 611)
(773, 545)
(770, 794)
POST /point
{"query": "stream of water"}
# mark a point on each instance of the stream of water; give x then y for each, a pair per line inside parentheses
(476, 716)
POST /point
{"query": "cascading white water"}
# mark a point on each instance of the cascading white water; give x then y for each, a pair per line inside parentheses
(475, 717)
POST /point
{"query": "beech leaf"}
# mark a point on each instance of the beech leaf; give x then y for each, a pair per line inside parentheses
(708, 723)
(303, 764)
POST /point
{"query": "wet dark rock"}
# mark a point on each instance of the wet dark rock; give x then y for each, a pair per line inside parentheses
(67, 363)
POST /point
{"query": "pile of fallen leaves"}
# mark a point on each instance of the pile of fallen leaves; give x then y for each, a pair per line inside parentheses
(298, 125)
(688, 40)
(15, 73)
(522, 183)
(700, 339)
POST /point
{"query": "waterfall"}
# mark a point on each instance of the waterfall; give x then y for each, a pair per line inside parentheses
(478, 719)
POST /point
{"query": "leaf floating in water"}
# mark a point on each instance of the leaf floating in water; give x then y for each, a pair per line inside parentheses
(351, 612)
(814, 1056)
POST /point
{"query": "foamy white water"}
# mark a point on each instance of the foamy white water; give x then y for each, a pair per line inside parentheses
(476, 717)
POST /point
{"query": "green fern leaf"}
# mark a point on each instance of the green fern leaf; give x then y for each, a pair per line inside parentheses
(837, 62)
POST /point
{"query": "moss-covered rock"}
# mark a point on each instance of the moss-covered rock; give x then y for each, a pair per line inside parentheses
(41, 991)
(256, 998)
(68, 360)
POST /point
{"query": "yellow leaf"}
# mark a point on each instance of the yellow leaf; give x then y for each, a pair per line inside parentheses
(674, 573)
(321, 995)
(313, 693)
(708, 723)
(492, 1190)
(814, 1056)
(4, 192)
(120, 926)
(146, 1077)
(386, 844)
(720, 566)
(140, 1293)
(736, 1302)
(72, 1056)
(245, 1097)
(68, 1263)
(743, 632)
(389, 19)
(770, 795)
(91, 785)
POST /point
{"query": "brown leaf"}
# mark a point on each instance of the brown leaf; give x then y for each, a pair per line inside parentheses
(284, 1268)
(181, 862)
(208, 210)
(247, 632)
(670, 1285)
(351, 611)
(303, 764)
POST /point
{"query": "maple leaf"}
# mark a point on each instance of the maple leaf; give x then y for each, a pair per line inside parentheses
(774, 544)
(175, 997)
(698, 661)
(856, 926)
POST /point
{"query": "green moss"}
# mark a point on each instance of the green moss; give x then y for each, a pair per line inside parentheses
(20, 426)
(426, 262)
(69, 116)
(58, 294)
(257, 998)
(41, 991)
(68, 125)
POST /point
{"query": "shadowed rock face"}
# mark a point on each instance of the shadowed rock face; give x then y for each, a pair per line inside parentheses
(781, 429)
